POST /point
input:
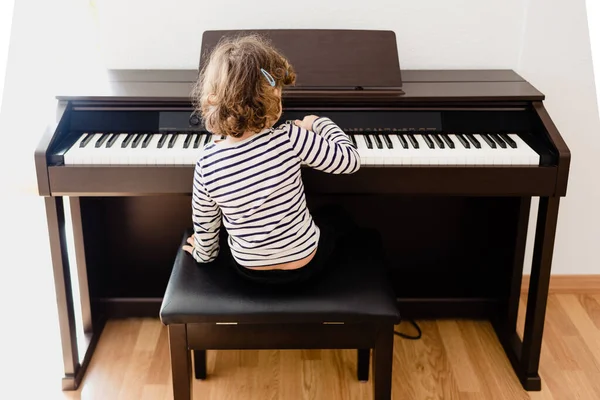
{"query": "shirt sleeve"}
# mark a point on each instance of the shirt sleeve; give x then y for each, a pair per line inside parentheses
(325, 148)
(206, 217)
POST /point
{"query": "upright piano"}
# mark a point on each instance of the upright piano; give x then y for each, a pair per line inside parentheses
(451, 160)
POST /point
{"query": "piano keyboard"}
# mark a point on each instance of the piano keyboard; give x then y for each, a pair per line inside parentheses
(374, 149)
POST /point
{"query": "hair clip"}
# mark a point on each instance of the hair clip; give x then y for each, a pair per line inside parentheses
(268, 76)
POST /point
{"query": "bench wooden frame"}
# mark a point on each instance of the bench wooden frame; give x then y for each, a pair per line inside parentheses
(193, 339)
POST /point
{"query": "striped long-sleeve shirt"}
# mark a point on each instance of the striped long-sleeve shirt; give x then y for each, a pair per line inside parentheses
(254, 189)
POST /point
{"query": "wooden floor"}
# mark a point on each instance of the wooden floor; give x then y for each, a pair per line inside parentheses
(453, 360)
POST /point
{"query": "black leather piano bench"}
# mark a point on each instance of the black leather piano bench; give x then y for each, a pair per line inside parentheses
(350, 306)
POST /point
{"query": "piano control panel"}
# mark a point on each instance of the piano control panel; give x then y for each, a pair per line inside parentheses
(182, 121)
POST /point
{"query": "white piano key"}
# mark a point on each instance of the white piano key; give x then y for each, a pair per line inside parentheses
(405, 156)
(459, 152)
(193, 154)
(527, 156)
(506, 154)
(483, 154)
(425, 155)
(178, 150)
(501, 155)
(153, 153)
(137, 154)
(382, 154)
(162, 154)
(372, 152)
(365, 158)
(116, 154)
(439, 153)
(398, 153)
(143, 154)
(128, 151)
(99, 155)
(71, 156)
(86, 156)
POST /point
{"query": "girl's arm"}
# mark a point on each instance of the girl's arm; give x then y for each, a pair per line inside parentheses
(206, 216)
(322, 145)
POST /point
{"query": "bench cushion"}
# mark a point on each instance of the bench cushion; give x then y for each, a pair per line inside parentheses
(356, 290)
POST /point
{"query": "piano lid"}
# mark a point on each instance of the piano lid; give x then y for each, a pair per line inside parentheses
(330, 61)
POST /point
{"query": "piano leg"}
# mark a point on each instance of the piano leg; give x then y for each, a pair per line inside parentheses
(516, 278)
(538, 289)
(525, 355)
(74, 366)
(84, 293)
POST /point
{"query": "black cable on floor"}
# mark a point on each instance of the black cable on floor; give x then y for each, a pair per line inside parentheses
(405, 336)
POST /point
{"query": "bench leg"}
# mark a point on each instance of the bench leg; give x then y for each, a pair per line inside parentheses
(383, 357)
(200, 364)
(181, 362)
(362, 364)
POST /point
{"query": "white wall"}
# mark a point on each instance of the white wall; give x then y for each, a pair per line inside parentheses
(6, 12)
(430, 33)
(556, 58)
(593, 19)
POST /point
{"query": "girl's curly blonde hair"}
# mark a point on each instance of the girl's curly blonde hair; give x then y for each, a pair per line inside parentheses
(232, 95)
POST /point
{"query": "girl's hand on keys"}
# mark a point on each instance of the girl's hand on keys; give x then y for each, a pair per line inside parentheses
(307, 122)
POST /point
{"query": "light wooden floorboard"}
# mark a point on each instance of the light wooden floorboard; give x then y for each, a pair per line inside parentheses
(455, 359)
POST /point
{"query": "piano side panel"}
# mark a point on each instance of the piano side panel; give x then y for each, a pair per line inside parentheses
(437, 247)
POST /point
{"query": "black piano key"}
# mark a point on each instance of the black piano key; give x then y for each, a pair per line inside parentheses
(112, 140)
(388, 141)
(197, 141)
(86, 140)
(352, 140)
(146, 141)
(368, 141)
(463, 140)
(102, 139)
(137, 140)
(428, 141)
(498, 140)
(402, 140)
(489, 141)
(378, 141)
(172, 141)
(413, 141)
(508, 140)
(448, 141)
(162, 140)
(474, 140)
(437, 140)
(207, 140)
(127, 140)
(188, 139)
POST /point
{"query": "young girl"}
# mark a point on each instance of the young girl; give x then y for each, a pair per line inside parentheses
(251, 180)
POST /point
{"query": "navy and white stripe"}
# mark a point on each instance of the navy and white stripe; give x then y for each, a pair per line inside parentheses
(254, 188)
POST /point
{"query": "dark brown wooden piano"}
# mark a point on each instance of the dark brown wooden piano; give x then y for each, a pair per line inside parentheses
(451, 160)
